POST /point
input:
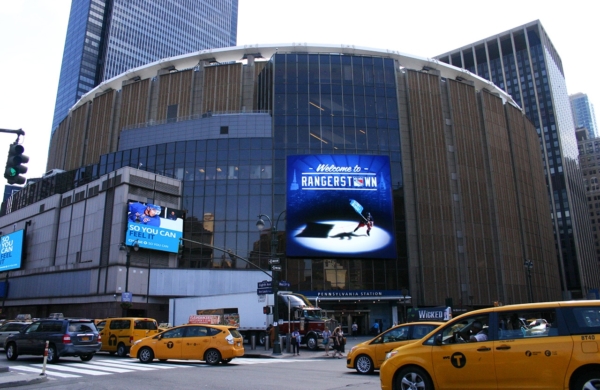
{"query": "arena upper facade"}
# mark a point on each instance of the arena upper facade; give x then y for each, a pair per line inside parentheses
(469, 198)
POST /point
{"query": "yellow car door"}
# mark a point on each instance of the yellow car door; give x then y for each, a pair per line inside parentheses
(531, 347)
(389, 340)
(195, 343)
(169, 344)
(459, 363)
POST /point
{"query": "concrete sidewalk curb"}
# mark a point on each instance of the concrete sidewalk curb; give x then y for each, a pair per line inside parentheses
(13, 379)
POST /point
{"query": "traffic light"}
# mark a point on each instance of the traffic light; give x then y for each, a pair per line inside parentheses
(14, 167)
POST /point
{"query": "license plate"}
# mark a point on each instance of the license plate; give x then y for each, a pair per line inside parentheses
(85, 338)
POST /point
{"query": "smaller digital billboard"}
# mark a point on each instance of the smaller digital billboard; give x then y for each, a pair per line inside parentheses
(340, 205)
(153, 226)
(11, 253)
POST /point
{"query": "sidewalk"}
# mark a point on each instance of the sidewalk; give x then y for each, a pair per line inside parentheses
(305, 353)
(9, 379)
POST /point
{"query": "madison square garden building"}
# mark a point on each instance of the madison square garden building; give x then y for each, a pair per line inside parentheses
(388, 180)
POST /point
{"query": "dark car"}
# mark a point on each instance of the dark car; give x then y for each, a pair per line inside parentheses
(66, 337)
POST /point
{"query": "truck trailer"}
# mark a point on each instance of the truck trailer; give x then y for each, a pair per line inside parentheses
(252, 314)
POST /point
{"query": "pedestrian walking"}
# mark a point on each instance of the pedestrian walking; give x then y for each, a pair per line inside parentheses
(337, 342)
(354, 329)
(326, 340)
(296, 339)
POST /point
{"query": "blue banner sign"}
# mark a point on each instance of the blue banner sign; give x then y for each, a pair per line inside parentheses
(11, 252)
(340, 206)
(154, 227)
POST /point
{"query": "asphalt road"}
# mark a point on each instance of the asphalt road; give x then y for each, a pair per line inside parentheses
(310, 370)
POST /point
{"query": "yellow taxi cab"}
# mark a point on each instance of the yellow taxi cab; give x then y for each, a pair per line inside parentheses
(549, 345)
(369, 355)
(212, 343)
(118, 334)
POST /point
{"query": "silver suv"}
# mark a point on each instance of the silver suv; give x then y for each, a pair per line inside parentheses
(66, 337)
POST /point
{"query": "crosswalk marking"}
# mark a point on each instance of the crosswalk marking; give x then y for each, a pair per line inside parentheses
(97, 367)
(38, 371)
(63, 367)
(110, 363)
(84, 366)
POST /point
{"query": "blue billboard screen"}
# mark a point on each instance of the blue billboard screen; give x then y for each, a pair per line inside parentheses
(153, 226)
(339, 205)
(11, 253)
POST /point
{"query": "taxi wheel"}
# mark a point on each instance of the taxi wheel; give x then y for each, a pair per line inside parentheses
(11, 351)
(413, 378)
(146, 355)
(86, 358)
(121, 350)
(587, 380)
(212, 356)
(364, 364)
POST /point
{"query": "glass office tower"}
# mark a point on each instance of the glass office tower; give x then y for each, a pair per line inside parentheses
(525, 64)
(583, 114)
(108, 37)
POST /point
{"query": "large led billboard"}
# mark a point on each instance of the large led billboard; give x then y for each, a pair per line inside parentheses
(11, 253)
(153, 226)
(339, 206)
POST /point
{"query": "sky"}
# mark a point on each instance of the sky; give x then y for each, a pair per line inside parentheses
(32, 35)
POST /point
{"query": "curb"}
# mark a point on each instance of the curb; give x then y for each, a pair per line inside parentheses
(12, 379)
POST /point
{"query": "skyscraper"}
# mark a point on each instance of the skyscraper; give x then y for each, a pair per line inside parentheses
(583, 114)
(107, 37)
(524, 63)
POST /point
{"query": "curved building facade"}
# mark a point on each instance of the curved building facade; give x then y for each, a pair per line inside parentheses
(467, 186)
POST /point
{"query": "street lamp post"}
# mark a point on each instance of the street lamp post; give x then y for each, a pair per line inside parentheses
(260, 224)
(404, 294)
(528, 266)
(127, 250)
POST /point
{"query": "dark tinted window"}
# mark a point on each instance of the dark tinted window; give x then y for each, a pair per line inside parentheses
(120, 324)
(50, 326)
(527, 323)
(146, 325)
(583, 320)
(196, 331)
(81, 327)
(420, 331)
(234, 332)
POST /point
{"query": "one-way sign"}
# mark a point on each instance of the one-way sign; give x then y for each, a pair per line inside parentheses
(273, 261)
(275, 268)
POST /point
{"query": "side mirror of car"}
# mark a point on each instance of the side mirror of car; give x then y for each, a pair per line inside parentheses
(439, 340)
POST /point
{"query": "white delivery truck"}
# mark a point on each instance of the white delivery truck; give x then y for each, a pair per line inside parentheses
(244, 310)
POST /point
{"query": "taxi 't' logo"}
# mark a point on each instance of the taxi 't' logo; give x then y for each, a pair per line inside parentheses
(170, 344)
(458, 360)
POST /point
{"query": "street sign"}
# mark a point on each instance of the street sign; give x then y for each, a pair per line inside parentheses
(283, 283)
(262, 291)
(273, 261)
(126, 297)
(275, 268)
(265, 284)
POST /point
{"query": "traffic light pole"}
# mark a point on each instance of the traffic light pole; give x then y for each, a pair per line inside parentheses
(18, 132)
